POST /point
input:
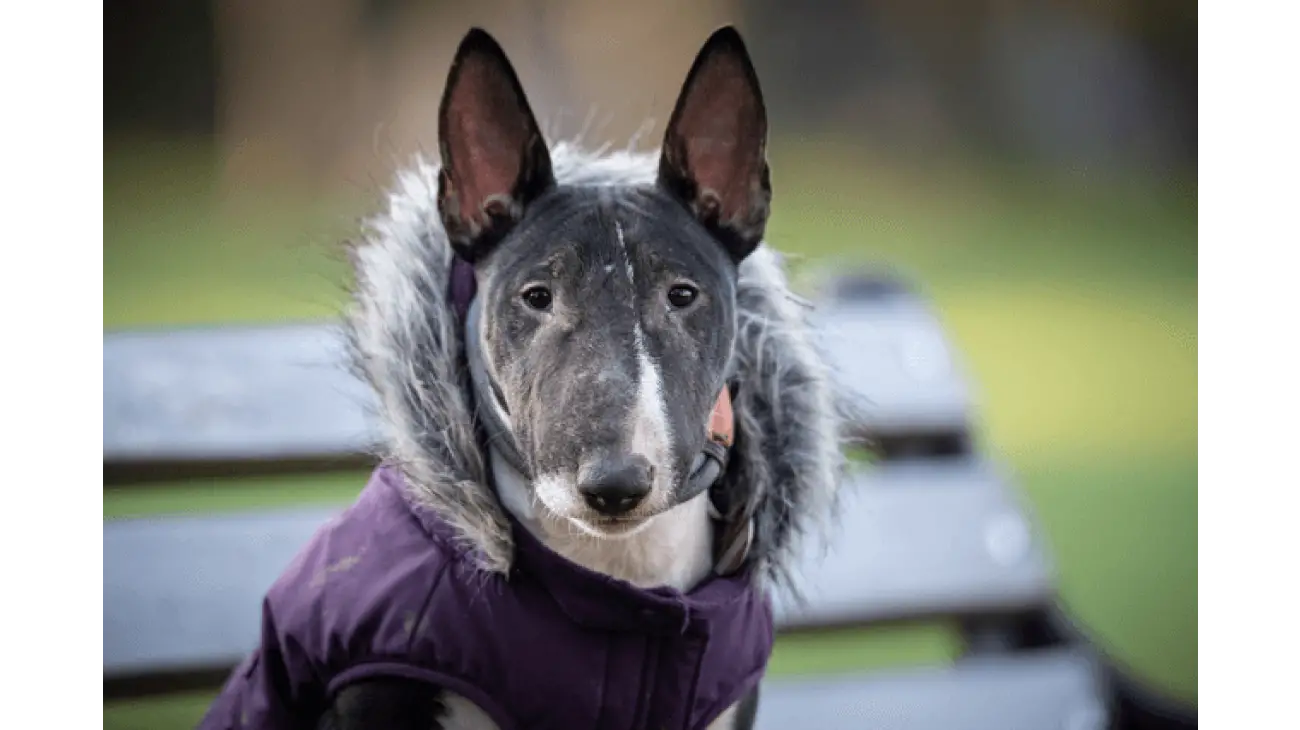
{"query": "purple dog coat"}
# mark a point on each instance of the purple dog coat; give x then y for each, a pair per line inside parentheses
(383, 590)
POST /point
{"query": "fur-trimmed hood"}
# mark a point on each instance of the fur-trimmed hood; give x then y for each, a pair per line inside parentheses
(407, 342)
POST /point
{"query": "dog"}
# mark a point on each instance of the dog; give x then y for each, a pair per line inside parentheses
(608, 432)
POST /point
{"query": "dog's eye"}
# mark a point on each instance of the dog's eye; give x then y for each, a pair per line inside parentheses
(682, 296)
(538, 297)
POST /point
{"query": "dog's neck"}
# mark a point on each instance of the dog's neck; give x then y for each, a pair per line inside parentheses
(673, 549)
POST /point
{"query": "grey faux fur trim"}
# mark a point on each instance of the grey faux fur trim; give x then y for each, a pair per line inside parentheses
(406, 339)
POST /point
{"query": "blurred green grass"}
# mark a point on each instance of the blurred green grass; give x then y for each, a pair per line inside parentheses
(1074, 306)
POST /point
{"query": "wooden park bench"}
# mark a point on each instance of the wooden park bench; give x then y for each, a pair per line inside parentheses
(930, 531)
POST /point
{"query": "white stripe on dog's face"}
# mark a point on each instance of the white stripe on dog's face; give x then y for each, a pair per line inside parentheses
(651, 436)
(627, 259)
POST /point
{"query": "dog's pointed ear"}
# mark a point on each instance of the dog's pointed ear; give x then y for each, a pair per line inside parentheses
(714, 156)
(494, 160)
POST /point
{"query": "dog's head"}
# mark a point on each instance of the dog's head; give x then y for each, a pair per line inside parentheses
(607, 314)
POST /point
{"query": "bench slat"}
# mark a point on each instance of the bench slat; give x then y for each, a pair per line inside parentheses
(915, 541)
(185, 593)
(924, 539)
(215, 394)
(893, 353)
(1057, 689)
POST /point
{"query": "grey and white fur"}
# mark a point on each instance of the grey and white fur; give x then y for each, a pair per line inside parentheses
(657, 290)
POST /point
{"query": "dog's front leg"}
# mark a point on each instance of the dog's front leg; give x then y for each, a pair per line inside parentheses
(402, 704)
(739, 716)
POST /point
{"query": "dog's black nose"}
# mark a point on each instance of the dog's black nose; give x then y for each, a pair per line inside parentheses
(616, 486)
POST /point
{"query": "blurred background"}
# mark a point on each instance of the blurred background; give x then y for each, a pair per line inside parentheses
(1031, 165)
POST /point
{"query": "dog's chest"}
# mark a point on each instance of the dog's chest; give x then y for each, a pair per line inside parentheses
(462, 714)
